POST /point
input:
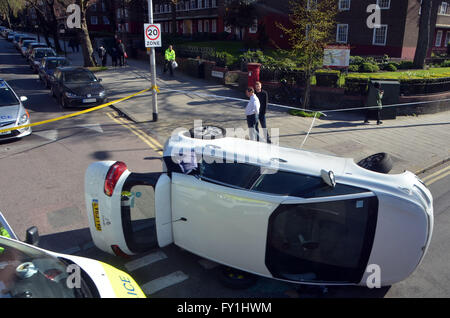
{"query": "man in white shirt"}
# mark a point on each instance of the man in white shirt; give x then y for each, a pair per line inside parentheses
(252, 113)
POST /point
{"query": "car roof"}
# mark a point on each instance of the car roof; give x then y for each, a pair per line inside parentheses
(71, 68)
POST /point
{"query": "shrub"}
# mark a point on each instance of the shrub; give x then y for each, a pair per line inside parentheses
(391, 67)
(353, 68)
(327, 78)
(356, 60)
(405, 65)
(368, 68)
(446, 63)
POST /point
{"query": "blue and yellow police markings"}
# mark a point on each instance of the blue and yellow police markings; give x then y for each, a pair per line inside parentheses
(123, 285)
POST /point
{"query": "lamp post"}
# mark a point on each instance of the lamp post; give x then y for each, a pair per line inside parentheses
(37, 31)
(153, 67)
(62, 31)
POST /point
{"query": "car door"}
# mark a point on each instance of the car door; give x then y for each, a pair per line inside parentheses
(129, 213)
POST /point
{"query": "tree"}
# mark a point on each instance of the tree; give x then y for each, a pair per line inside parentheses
(9, 9)
(423, 42)
(83, 33)
(239, 14)
(313, 27)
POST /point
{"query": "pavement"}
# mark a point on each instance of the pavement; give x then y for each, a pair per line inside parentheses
(415, 143)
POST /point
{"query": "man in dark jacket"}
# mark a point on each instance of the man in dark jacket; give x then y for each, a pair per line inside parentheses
(263, 100)
(121, 53)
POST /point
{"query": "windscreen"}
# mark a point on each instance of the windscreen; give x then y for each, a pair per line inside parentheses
(7, 97)
(52, 64)
(42, 53)
(79, 76)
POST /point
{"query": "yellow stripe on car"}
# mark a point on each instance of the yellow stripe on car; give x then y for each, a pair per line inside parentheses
(124, 286)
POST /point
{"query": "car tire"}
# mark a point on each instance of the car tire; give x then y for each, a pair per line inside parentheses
(207, 132)
(379, 162)
(52, 92)
(236, 279)
(63, 103)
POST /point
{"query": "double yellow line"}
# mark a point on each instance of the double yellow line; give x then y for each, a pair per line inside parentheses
(76, 113)
(436, 176)
(150, 141)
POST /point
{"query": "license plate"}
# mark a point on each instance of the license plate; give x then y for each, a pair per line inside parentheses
(5, 133)
(96, 213)
(89, 100)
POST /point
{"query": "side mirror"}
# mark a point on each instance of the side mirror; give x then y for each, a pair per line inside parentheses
(328, 178)
(99, 79)
(23, 98)
(32, 236)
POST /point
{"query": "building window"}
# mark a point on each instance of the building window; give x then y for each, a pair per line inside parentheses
(200, 4)
(254, 28)
(206, 25)
(207, 3)
(105, 20)
(384, 4)
(103, 6)
(447, 38)
(344, 5)
(342, 33)
(186, 5)
(438, 38)
(156, 8)
(94, 7)
(94, 20)
(193, 4)
(213, 3)
(380, 35)
(443, 8)
(200, 26)
(214, 26)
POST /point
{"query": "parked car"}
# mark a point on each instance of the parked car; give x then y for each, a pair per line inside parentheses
(24, 46)
(5, 32)
(17, 37)
(28, 271)
(12, 113)
(11, 36)
(48, 66)
(32, 46)
(37, 55)
(77, 86)
(23, 38)
(280, 213)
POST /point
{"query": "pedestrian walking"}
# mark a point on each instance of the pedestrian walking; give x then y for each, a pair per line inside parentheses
(113, 54)
(263, 98)
(252, 113)
(379, 97)
(102, 55)
(121, 53)
(169, 59)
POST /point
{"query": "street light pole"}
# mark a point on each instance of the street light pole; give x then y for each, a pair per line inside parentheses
(153, 67)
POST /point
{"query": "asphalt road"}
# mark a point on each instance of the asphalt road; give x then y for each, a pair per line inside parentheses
(42, 184)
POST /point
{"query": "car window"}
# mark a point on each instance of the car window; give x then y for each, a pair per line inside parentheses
(52, 64)
(7, 97)
(241, 175)
(298, 185)
(44, 53)
(78, 76)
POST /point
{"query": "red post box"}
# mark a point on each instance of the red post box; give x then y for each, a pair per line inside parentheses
(253, 73)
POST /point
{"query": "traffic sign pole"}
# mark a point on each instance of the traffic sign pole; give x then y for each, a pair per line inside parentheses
(153, 67)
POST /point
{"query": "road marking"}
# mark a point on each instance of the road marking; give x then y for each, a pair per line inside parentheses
(144, 261)
(429, 182)
(51, 135)
(435, 174)
(139, 133)
(164, 282)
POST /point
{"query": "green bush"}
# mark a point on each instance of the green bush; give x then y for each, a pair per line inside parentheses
(446, 63)
(391, 67)
(367, 67)
(356, 60)
(405, 65)
(353, 68)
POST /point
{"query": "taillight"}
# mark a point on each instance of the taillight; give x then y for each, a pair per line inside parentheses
(116, 249)
(113, 176)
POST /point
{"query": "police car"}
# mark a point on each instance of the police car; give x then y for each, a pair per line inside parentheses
(12, 113)
(277, 212)
(27, 271)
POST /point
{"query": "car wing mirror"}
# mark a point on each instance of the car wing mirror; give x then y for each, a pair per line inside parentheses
(99, 79)
(328, 177)
(23, 98)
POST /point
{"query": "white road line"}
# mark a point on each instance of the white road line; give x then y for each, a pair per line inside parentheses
(207, 264)
(164, 282)
(144, 261)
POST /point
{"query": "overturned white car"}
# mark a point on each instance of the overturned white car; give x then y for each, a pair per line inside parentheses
(277, 212)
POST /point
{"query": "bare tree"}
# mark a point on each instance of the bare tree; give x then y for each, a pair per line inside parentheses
(423, 41)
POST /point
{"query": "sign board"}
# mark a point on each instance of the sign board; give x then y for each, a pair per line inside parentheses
(337, 56)
(152, 34)
(217, 74)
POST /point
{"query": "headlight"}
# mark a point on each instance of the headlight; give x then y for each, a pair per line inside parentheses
(23, 119)
(102, 94)
(70, 95)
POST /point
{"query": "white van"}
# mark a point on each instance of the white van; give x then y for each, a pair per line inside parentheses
(281, 213)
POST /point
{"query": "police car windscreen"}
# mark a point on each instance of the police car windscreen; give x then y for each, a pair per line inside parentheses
(7, 98)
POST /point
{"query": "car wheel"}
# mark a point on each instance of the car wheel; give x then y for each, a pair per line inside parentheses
(207, 132)
(52, 92)
(380, 162)
(236, 279)
(63, 102)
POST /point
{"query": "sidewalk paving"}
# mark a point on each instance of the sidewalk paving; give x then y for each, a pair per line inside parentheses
(415, 143)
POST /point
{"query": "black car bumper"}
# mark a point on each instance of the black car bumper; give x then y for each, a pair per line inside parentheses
(85, 102)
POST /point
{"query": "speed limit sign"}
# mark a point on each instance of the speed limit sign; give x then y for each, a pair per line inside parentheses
(152, 34)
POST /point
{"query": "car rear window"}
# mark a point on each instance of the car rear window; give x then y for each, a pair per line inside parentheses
(42, 53)
(78, 76)
(7, 97)
(52, 64)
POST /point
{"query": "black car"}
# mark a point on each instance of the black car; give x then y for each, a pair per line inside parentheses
(77, 86)
(37, 55)
(48, 66)
(32, 46)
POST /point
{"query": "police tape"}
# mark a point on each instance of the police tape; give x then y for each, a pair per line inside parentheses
(77, 113)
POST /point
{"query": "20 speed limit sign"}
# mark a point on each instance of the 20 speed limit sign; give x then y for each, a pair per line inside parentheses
(152, 35)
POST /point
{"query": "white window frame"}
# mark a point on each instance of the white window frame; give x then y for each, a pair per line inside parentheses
(443, 8)
(187, 5)
(447, 38)
(200, 4)
(342, 8)
(375, 33)
(207, 4)
(254, 27)
(213, 3)
(193, 4)
(214, 26)
(206, 28)
(379, 2)
(94, 18)
(339, 26)
(439, 35)
(200, 26)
